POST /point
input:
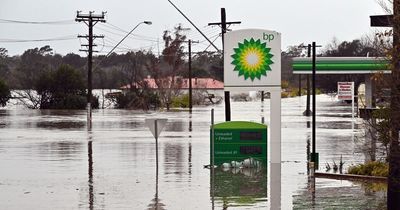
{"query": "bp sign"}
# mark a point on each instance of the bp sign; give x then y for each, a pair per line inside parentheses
(252, 60)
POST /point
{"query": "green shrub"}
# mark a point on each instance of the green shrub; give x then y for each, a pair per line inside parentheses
(372, 168)
(181, 101)
(285, 84)
(138, 99)
(4, 93)
(63, 89)
(284, 94)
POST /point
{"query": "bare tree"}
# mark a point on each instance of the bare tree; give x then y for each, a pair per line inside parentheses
(170, 66)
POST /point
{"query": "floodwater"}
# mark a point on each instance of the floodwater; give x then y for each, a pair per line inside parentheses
(49, 160)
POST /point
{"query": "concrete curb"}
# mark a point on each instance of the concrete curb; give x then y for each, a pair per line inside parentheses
(350, 177)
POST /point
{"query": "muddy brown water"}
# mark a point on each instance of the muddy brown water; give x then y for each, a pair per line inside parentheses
(49, 160)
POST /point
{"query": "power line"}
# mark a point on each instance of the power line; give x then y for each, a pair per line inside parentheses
(114, 27)
(192, 24)
(212, 42)
(125, 31)
(58, 22)
(64, 38)
(130, 37)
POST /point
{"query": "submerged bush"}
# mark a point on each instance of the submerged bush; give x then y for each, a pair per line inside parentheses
(373, 168)
(63, 89)
(181, 101)
(4, 93)
(138, 99)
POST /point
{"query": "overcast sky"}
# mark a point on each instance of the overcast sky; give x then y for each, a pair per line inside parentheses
(299, 21)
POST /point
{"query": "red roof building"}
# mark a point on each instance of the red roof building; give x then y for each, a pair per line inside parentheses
(183, 83)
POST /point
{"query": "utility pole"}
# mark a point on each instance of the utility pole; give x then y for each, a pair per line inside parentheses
(90, 20)
(308, 111)
(190, 73)
(299, 84)
(314, 155)
(223, 24)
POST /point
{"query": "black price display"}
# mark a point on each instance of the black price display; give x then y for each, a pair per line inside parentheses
(250, 135)
(250, 150)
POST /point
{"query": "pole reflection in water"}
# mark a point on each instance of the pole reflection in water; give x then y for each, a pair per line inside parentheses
(190, 160)
(90, 171)
(212, 187)
(311, 184)
(190, 146)
(308, 148)
(190, 122)
(308, 153)
(156, 204)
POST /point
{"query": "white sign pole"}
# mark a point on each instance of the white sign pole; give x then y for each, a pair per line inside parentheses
(156, 126)
(156, 137)
(352, 101)
(275, 149)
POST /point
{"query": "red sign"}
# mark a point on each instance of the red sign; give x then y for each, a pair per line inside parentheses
(345, 90)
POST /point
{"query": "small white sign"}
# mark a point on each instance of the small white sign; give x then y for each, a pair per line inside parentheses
(156, 126)
(345, 90)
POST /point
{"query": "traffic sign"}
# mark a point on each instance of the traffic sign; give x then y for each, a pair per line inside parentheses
(156, 126)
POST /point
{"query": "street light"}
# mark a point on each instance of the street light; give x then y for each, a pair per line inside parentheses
(109, 53)
(145, 22)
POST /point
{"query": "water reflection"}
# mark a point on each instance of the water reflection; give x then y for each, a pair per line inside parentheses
(156, 203)
(190, 160)
(190, 121)
(51, 156)
(90, 172)
(233, 187)
(174, 126)
(60, 124)
(342, 195)
(173, 158)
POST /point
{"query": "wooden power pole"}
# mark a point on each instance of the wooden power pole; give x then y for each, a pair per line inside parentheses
(90, 20)
(223, 24)
(190, 73)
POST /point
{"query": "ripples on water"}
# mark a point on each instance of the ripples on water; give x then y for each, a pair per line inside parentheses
(49, 160)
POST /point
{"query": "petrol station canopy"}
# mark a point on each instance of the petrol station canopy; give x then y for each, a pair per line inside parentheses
(342, 65)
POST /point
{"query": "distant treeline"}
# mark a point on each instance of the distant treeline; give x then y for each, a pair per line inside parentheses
(21, 72)
(36, 68)
(116, 70)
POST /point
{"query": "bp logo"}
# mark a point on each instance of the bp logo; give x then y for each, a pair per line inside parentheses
(252, 59)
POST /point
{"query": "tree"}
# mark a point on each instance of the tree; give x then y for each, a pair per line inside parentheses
(74, 60)
(134, 68)
(4, 69)
(4, 93)
(33, 62)
(62, 89)
(393, 194)
(165, 71)
(207, 64)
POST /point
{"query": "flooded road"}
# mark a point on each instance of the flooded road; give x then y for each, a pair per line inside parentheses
(49, 160)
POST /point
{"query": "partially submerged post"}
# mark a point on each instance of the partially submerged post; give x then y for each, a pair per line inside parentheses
(156, 126)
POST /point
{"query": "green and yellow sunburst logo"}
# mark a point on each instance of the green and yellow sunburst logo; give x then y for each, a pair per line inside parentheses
(252, 59)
